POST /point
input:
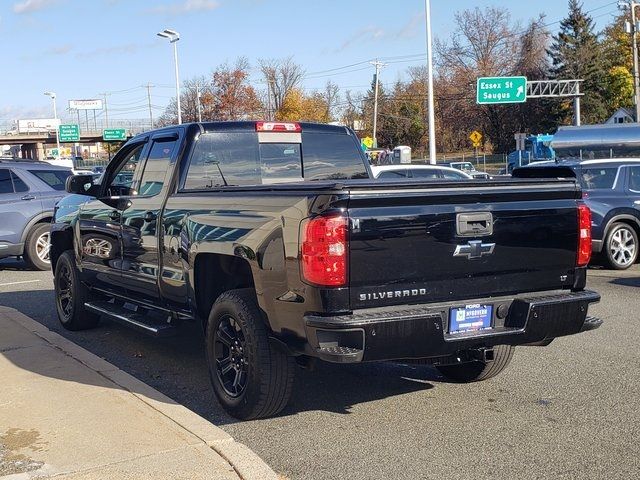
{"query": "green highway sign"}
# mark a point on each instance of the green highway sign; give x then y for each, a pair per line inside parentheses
(114, 134)
(501, 90)
(69, 132)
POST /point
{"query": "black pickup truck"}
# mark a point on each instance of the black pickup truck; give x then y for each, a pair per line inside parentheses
(274, 237)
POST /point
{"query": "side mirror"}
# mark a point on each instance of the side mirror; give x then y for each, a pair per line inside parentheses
(80, 184)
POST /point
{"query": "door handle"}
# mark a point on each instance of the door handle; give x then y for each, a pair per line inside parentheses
(28, 197)
(149, 216)
(114, 215)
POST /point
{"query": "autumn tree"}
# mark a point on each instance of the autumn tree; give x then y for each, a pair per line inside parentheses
(231, 95)
(618, 58)
(296, 106)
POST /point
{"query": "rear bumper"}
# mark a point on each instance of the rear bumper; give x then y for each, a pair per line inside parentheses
(420, 331)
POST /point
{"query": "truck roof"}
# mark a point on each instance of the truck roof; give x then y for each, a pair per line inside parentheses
(250, 126)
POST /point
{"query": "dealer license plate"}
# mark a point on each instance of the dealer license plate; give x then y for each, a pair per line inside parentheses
(470, 318)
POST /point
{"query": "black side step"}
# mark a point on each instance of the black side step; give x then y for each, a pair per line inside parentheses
(130, 318)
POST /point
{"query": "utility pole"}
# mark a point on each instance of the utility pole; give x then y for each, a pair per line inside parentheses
(149, 86)
(378, 66)
(198, 104)
(430, 106)
(576, 107)
(634, 41)
(269, 115)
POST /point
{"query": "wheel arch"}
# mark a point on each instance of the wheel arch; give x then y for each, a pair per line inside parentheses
(627, 218)
(61, 240)
(42, 217)
(214, 274)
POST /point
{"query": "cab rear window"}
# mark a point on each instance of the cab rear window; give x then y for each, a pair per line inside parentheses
(237, 158)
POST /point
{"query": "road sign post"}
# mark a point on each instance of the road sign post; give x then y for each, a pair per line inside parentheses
(114, 134)
(493, 90)
(69, 133)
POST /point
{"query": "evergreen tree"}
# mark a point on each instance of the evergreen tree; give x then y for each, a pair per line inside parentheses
(576, 54)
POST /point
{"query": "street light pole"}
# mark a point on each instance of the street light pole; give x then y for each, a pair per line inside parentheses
(430, 102)
(173, 37)
(52, 95)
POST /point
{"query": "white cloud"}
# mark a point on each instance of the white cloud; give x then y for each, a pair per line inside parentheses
(363, 35)
(29, 6)
(185, 6)
(125, 49)
(59, 50)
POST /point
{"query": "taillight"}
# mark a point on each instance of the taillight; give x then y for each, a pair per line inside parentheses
(324, 250)
(584, 235)
(278, 127)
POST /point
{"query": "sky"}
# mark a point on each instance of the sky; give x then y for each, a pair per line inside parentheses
(81, 48)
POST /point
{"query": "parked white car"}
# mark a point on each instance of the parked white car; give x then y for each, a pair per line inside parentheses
(418, 171)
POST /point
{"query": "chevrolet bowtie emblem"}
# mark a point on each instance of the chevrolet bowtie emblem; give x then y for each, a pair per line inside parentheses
(474, 249)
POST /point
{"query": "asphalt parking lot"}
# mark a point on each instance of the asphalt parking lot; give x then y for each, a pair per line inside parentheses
(569, 410)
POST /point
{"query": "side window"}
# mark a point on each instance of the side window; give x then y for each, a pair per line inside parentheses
(122, 179)
(224, 159)
(452, 175)
(5, 181)
(156, 167)
(424, 173)
(634, 179)
(595, 178)
(393, 174)
(18, 185)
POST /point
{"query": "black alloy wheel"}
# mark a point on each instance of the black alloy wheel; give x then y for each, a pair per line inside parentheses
(229, 351)
(64, 291)
(71, 295)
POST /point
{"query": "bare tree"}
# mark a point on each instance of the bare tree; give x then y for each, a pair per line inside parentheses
(189, 102)
(331, 97)
(280, 75)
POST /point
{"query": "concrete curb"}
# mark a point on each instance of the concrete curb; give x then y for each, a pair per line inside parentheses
(245, 462)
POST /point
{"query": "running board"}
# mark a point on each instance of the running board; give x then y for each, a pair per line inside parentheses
(130, 318)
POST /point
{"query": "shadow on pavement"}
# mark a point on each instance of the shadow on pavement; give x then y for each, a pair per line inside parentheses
(9, 264)
(177, 368)
(627, 281)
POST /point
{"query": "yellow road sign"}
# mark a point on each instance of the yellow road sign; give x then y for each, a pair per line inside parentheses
(476, 138)
(367, 142)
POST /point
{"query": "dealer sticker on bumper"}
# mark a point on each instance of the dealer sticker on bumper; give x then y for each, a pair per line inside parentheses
(469, 318)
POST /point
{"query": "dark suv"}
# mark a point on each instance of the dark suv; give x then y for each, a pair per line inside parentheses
(611, 189)
(28, 193)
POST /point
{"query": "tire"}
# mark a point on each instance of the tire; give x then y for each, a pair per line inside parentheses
(71, 296)
(478, 371)
(621, 246)
(37, 245)
(250, 378)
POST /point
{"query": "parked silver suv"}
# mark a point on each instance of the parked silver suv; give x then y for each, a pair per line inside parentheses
(29, 191)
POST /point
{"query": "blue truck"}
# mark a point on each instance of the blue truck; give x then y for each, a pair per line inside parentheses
(536, 148)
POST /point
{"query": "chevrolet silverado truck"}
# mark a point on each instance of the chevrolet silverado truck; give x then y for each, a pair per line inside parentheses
(276, 239)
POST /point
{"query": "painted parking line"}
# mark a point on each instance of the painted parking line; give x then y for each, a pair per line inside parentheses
(18, 283)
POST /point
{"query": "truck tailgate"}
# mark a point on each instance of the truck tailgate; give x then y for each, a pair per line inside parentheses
(418, 243)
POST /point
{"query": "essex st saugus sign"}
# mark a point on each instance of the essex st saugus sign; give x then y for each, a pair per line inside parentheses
(501, 90)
